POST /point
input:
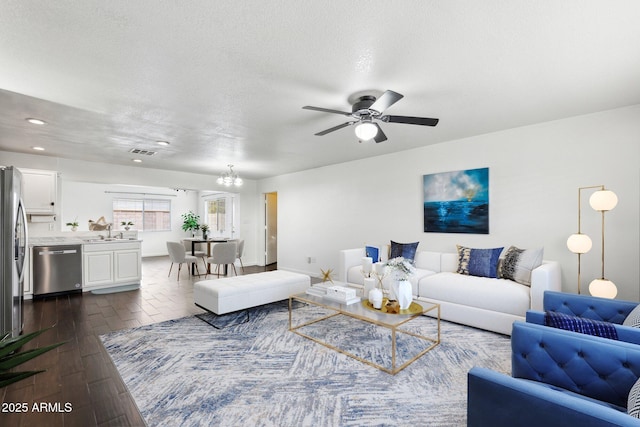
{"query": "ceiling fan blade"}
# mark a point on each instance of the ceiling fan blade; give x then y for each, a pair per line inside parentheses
(423, 121)
(324, 132)
(325, 110)
(386, 100)
(380, 136)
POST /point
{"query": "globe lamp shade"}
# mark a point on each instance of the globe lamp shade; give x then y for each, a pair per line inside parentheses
(603, 200)
(603, 288)
(579, 243)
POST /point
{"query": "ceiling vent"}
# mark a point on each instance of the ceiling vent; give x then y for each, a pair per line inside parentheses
(142, 152)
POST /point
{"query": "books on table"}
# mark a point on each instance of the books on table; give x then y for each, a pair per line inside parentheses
(334, 292)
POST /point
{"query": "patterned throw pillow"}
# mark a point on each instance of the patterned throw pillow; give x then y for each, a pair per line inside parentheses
(478, 262)
(404, 250)
(517, 264)
(633, 401)
(633, 318)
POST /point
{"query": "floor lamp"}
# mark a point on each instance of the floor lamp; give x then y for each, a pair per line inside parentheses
(579, 243)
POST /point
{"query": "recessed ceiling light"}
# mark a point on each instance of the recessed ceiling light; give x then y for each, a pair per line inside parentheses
(164, 143)
(37, 148)
(36, 121)
(136, 160)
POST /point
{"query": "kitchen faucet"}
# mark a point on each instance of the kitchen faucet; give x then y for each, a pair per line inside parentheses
(109, 229)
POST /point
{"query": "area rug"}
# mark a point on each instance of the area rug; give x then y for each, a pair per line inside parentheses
(185, 372)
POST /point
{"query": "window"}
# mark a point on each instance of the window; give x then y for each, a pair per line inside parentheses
(216, 214)
(145, 214)
(220, 213)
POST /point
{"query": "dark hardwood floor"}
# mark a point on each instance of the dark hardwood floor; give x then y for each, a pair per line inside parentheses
(81, 386)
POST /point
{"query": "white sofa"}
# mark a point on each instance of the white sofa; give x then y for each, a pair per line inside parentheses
(481, 302)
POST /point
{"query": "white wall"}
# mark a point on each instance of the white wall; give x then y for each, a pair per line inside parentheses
(535, 172)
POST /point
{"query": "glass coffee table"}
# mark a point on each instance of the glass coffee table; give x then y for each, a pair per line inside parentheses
(362, 332)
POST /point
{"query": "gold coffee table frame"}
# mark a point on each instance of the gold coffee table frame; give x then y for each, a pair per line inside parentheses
(359, 311)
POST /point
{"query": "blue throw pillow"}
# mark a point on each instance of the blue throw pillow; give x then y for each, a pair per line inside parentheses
(404, 250)
(580, 324)
(478, 262)
(372, 252)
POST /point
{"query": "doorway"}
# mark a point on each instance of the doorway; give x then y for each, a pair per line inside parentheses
(271, 228)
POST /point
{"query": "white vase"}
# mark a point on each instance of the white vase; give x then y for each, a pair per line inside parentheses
(393, 289)
(404, 294)
(375, 296)
(369, 284)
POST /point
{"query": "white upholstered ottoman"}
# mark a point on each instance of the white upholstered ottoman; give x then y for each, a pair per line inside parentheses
(235, 293)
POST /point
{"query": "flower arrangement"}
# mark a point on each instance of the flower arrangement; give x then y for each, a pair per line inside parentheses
(74, 223)
(401, 268)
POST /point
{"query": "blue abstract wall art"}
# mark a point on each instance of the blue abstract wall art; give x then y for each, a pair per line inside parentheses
(457, 202)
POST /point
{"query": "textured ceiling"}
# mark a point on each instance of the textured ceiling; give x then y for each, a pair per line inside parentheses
(224, 81)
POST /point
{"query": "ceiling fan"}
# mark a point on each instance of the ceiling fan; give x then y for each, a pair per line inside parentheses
(368, 108)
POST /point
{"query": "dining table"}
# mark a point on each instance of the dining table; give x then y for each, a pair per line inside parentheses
(196, 240)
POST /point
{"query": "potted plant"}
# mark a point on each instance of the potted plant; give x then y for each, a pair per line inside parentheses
(11, 356)
(190, 222)
(205, 230)
(73, 225)
(127, 224)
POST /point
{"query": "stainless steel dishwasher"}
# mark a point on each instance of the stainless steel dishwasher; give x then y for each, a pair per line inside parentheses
(57, 269)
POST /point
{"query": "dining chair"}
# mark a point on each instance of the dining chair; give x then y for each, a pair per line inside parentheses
(178, 254)
(223, 254)
(239, 252)
(198, 254)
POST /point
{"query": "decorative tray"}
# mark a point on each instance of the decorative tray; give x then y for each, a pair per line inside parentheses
(414, 308)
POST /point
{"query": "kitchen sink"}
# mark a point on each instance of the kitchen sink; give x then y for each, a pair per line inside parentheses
(108, 240)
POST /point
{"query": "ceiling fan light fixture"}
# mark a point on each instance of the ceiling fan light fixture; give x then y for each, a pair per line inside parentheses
(365, 109)
(366, 130)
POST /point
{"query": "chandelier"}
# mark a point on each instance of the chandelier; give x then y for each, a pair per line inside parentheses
(229, 178)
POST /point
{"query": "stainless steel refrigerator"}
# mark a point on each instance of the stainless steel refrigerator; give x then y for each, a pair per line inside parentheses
(13, 250)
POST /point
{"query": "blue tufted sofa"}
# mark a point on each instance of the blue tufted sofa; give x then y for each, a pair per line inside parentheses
(559, 378)
(588, 307)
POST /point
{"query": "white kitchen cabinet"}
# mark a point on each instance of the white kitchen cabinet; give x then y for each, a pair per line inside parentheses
(111, 264)
(40, 191)
(127, 265)
(98, 268)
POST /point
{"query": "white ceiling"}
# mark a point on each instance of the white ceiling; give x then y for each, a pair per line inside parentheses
(224, 81)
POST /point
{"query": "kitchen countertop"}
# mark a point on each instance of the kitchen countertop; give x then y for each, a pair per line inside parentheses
(59, 241)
